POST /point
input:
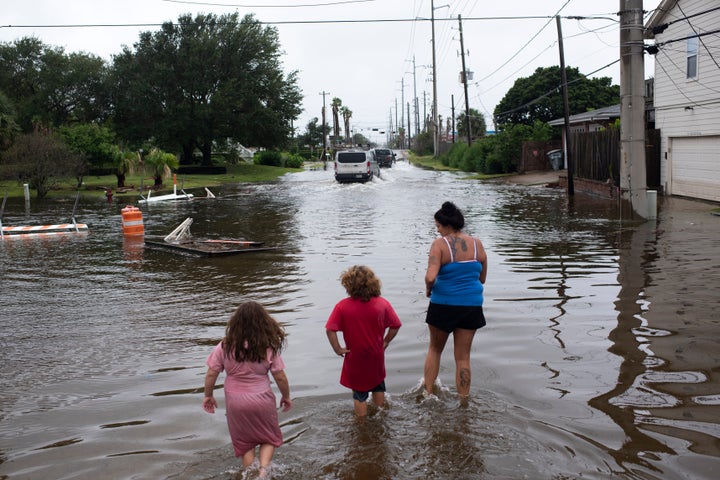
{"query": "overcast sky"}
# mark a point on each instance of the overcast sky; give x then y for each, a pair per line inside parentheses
(362, 51)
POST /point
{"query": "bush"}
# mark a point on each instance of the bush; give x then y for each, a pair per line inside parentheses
(271, 158)
(424, 144)
(294, 161)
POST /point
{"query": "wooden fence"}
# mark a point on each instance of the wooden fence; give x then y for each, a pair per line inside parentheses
(596, 156)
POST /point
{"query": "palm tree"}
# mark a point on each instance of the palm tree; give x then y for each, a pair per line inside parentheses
(346, 114)
(336, 104)
(125, 164)
(161, 163)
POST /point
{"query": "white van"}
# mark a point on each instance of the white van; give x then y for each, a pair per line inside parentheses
(355, 166)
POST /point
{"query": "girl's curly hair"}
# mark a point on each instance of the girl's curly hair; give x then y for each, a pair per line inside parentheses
(360, 282)
(250, 332)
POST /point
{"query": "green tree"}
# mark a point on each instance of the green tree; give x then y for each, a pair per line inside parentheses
(51, 88)
(313, 135)
(477, 125)
(336, 105)
(161, 164)
(125, 163)
(94, 141)
(20, 77)
(204, 79)
(347, 115)
(8, 126)
(41, 160)
(539, 96)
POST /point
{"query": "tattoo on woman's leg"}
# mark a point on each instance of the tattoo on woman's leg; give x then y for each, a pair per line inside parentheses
(464, 377)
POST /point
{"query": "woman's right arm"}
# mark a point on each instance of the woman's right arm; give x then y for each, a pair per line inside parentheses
(434, 262)
(482, 258)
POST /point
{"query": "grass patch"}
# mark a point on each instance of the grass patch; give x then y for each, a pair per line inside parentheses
(428, 162)
(96, 186)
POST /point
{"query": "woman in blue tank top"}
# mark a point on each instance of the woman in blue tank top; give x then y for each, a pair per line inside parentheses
(456, 272)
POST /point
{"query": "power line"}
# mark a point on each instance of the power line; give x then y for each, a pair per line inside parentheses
(661, 28)
(291, 22)
(526, 44)
(680, 69)
(212, 4)
(700, 39)
(697, 35)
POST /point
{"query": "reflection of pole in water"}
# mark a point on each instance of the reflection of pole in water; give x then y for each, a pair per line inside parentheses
(633, 259)
(563, 296)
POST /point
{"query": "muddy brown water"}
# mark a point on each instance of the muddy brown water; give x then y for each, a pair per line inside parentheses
(600, 358)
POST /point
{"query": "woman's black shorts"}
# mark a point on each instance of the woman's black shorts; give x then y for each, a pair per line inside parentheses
(450, 317)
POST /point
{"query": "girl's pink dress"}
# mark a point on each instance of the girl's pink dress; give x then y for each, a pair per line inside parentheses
(249, 400)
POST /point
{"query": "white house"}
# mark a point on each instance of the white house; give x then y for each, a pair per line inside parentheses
(687, 95)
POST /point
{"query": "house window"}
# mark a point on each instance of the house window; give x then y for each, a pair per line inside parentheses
(692, 57)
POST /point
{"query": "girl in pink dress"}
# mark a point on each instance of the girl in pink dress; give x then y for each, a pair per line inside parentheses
(363, 318)
(251, 348)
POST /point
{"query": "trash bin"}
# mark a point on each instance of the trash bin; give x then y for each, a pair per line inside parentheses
(556, 159)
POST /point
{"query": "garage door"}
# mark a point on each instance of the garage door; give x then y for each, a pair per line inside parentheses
(695, 170)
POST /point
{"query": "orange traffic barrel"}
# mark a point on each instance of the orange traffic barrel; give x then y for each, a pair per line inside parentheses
(132, 222)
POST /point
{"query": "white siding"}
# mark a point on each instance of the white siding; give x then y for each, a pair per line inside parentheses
(688, 110)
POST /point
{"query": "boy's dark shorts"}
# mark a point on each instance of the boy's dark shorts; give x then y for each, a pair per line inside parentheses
(363, 396)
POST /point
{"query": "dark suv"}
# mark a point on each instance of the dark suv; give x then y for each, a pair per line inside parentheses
(384, 156)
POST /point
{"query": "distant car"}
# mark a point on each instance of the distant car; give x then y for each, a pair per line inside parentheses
(355, 166)
(384, 156)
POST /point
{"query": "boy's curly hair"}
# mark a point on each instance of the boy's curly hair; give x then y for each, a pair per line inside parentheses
(360, 282)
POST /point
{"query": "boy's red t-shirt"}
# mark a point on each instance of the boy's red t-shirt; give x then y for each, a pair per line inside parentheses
(363, 326)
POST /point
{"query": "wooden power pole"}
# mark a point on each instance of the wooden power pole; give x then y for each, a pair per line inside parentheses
(566, 111)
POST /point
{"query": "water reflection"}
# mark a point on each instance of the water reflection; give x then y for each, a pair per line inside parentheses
(633, 260)
(599, 359)
(663, 368)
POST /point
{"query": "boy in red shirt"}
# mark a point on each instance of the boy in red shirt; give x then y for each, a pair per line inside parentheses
(363, 318)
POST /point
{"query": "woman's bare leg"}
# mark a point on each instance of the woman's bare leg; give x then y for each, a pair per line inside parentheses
(463, 341)
(438, 339)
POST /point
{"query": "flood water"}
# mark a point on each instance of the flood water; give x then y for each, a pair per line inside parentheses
(600, 358)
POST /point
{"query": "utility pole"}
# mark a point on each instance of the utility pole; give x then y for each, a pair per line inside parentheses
(397, 125)
(415, 103)
(409, 132)
(402, 110)
(425, 111)
(633, 180)
(408, 126)
(465, 79)
(566, 110)
(390, 137)
(452, 109)
(434, 79)
(324, 150)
